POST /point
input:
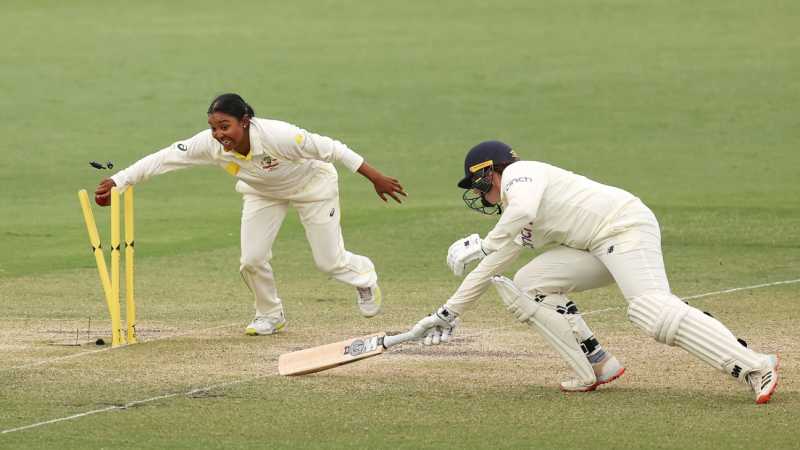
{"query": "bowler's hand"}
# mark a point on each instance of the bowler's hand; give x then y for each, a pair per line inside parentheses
(388, 186)
(383, 185)
(102, 195)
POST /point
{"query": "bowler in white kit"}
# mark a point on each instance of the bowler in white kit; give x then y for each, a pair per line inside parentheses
(592, 235)
(277, 166)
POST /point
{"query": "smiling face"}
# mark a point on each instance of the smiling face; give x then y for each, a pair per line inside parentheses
(232, 133)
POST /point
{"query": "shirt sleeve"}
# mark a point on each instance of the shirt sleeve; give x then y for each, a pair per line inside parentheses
(195, 151)
(477, 281)
(523, 193)
(296, 143)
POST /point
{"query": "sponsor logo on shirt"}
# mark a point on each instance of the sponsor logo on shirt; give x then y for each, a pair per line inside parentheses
(518, 180)
(268, 163)
(526, 235)
(182, 147)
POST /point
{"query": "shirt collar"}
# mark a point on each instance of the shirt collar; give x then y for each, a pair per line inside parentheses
(255, 144)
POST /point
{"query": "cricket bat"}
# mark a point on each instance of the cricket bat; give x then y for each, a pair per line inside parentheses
(328, 356)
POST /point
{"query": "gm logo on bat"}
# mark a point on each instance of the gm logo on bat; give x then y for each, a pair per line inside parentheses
(359, 346)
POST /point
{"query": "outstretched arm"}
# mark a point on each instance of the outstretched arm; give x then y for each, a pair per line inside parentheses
(439, 326)
(194, 151)
(383, 184)
(295, 143)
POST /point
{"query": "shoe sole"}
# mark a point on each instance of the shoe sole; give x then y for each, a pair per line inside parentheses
(764, 398)
(254, 332)
(594, 386)
(368, 315)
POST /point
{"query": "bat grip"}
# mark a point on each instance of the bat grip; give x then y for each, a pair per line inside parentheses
(414, 333)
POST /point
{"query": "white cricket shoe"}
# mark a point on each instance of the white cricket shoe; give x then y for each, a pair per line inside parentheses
(369, 300)
(765, 381)
(606, 370)
(265, 325)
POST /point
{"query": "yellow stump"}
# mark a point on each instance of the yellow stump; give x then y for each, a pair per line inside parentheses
(105, 281)
(115, 256)
(130, 304)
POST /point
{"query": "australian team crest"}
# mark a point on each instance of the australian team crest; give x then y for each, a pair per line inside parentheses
(268, 162)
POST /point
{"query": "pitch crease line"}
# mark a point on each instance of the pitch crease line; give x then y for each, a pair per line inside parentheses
(135, 403)
(755, 286)
(89, 352)
(707, 294)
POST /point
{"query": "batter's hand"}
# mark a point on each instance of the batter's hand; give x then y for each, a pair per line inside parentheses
(102, 195)
(463, 252)
(437, 327)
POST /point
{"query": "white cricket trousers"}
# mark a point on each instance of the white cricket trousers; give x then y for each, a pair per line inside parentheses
(629, 253)
(261, 220)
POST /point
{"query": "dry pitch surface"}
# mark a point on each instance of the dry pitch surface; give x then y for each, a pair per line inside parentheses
(53, 385)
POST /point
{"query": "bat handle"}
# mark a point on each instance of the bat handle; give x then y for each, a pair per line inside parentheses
(415, 333)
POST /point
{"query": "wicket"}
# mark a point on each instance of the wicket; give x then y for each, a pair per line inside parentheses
(111, 284)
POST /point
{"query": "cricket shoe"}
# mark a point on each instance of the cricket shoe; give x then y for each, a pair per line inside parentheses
(765, 381)
(265, 325)
(606, 370)
(369, 300)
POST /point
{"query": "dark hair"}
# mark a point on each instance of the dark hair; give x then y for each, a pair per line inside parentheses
(232, 105)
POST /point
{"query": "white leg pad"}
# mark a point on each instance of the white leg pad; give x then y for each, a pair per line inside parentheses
(671, 321)
(556, 329)
(567, 308)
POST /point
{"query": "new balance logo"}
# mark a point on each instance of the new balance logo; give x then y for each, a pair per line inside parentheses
(766, 380)
(736, 371)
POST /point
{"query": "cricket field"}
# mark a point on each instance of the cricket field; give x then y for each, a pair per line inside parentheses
(692, 106)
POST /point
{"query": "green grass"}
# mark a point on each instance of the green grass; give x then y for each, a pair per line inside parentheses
(693, 107)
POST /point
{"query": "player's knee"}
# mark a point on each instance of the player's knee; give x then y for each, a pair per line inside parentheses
(660, 315)
(522, 282)
(530, 284)
(560, 302)
(253, 265)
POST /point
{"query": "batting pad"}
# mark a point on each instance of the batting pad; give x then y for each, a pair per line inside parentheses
(671, 321)
(555, 327)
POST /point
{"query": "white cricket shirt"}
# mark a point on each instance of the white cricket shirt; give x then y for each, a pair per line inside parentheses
(543, 205)
(561, 207)
(284, 162)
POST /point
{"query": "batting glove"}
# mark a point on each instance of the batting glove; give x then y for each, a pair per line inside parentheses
(437, 327)
(463, 252)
